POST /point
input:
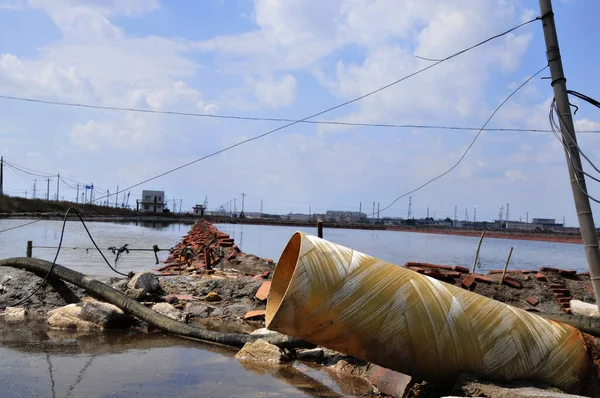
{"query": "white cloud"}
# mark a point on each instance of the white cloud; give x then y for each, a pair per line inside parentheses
(276, 93)
(515, 175)
(586, 124)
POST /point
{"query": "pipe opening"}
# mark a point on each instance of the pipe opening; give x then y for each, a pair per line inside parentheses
(283, 275)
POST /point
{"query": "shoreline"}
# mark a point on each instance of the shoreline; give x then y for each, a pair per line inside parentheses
(555, 237)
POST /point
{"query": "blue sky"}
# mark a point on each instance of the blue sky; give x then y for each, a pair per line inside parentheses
(291, 59)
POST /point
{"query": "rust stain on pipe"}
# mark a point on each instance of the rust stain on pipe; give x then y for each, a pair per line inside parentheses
(345, 300)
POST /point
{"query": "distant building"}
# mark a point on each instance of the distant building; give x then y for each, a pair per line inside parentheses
(152, 202)
(344, 216)
(298, 217)
(198, 209)
(543, 221)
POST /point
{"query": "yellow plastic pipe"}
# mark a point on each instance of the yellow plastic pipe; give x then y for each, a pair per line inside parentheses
(350, 302)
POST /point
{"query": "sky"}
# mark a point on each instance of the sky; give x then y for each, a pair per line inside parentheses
(291, 59)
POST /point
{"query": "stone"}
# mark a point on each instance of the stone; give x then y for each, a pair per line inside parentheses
(472, 387)
(235, 310)
(136, 294)
(146, 280)
(212, 297)
(198, 310)
(312, 355)
(262, 351)
(580, 308)
(105, 315)
(14, 314)
(69, 317)
(2, 289)
(170, 311)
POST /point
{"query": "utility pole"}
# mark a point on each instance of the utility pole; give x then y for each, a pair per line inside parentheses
(77, 197)
(474, 214)
(378, 210)
(57, 185)
(117, 197)
(359, 209)
(243, 200)
(235, 206)
(48, 190)
(261, 206)
(173, 205)
(507, 214)
(34, 188)
(466, 215)
(409, 207)
(582, 202)
(180, 204)
(107, 201)
(1, 174)
(373, 215)
(455, 215)
(527, 218)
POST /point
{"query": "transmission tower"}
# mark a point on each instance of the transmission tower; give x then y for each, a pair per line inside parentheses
(409, 207)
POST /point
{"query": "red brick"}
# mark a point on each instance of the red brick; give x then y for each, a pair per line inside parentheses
(566, 310)
(530, 271)
(540, 277)
(265, 274)
(483, 278)
(567, 272)
(263, 291)
(458, 268)
(255, 314)
(468, 282)
(558, 286)
(512, 282)
(548, 269)
(225, 243)
(416, 269)
(495, 271)
(390, 382)
(532, 300)
(532, 310)
(563, 291)
(565, 300)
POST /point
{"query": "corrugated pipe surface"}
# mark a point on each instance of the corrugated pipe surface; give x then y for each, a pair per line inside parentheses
(339, 298)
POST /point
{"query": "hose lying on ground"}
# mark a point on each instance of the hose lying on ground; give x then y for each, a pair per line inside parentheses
(140, 311)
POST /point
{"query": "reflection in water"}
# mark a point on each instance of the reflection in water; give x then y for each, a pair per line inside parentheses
(33, 363)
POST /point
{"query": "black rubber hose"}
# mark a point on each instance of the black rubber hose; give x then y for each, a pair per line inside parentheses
(586, 324)
(144, 313)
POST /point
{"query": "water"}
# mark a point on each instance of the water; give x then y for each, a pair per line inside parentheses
(35, 363)
(400, 247)
(47, 233)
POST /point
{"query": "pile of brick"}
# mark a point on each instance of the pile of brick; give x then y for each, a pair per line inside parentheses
(550, 288)
(199, 249)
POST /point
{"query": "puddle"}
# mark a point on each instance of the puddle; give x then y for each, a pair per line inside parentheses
(39, 363)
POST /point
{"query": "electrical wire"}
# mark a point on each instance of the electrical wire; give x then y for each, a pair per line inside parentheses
(62, 234)
(20, 226)
(561, 137)
(584, 97)
(331, 108)
(470, 145)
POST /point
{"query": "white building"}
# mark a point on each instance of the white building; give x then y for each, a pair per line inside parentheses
(152, 202)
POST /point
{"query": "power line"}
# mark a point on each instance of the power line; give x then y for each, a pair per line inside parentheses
(471, 144)
(274, 119)
(333, 107)
(19, 226)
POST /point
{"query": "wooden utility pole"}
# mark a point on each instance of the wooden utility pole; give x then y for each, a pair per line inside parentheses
(582, 202)
(477, 252)
(57, 185)
(116, 198)
(77, 197)
(48, 190)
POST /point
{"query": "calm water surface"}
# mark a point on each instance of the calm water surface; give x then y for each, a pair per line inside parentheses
(47, 233)
(400, 247)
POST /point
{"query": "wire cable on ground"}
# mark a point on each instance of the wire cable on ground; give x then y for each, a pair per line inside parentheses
(331, 108)
(62, 234)
(470, 145)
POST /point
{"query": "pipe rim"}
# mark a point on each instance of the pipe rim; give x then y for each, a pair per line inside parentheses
(286, 266)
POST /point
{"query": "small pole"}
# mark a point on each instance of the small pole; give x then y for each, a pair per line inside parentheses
(320, 228)
(506, 265)
(29, 250)
(477, 252)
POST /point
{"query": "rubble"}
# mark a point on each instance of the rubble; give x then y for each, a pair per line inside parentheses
(69, 317)
(105, 315)
(199, 310)
(14, 314)
(147, 281)
(262, 351)
(170, 311)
